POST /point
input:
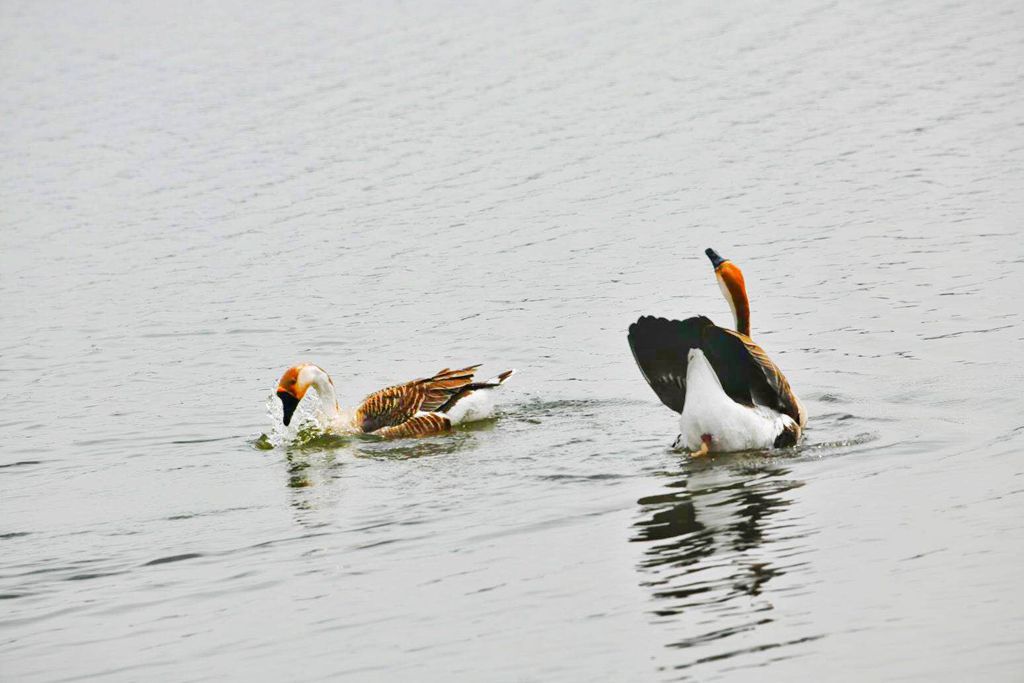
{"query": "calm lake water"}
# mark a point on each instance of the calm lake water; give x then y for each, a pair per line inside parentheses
(196, 197)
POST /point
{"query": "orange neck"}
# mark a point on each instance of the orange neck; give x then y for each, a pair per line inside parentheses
(730, 279)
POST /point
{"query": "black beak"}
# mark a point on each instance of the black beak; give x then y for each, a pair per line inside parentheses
(716, 260)
(290, 403)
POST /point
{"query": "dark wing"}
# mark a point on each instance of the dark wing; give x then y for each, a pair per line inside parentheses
(392, 406)
(660, 348)
(748, 375)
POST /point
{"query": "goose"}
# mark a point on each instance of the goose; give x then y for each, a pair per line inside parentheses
(728, 392)
(422, 407)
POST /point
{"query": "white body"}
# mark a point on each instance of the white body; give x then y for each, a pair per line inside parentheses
(708, 410)
(477, 406)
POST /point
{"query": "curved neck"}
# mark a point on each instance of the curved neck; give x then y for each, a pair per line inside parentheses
(730, 280)
(321, 381)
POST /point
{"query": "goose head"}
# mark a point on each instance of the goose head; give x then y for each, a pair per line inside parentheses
(294, 384)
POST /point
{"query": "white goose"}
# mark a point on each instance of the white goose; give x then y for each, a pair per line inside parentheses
(422, 407)
(729, 393)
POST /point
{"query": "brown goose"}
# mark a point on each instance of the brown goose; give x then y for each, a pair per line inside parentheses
(421, 407)
(729, 393)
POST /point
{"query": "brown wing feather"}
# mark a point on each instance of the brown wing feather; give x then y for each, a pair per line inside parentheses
(390, 407)
(421, 425)
(395, 405)
(444, 385)
(467, 390)
(767, 385)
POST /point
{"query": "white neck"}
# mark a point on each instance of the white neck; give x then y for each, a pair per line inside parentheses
(321, 381)
(732, 304)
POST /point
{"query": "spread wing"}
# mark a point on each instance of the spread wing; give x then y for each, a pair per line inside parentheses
(660, 348)
(395, 405)
(747, 374)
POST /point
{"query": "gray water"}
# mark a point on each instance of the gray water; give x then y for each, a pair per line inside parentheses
(196, 197)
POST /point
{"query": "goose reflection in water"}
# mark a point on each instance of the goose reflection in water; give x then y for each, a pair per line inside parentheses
(316, 462)
(716, 539)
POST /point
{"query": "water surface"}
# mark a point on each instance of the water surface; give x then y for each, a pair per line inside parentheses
(197, 197)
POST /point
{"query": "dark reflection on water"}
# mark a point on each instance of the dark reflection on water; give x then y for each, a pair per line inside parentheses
(305, 470)
(709, 536)
(314, 461)
(314, 490)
